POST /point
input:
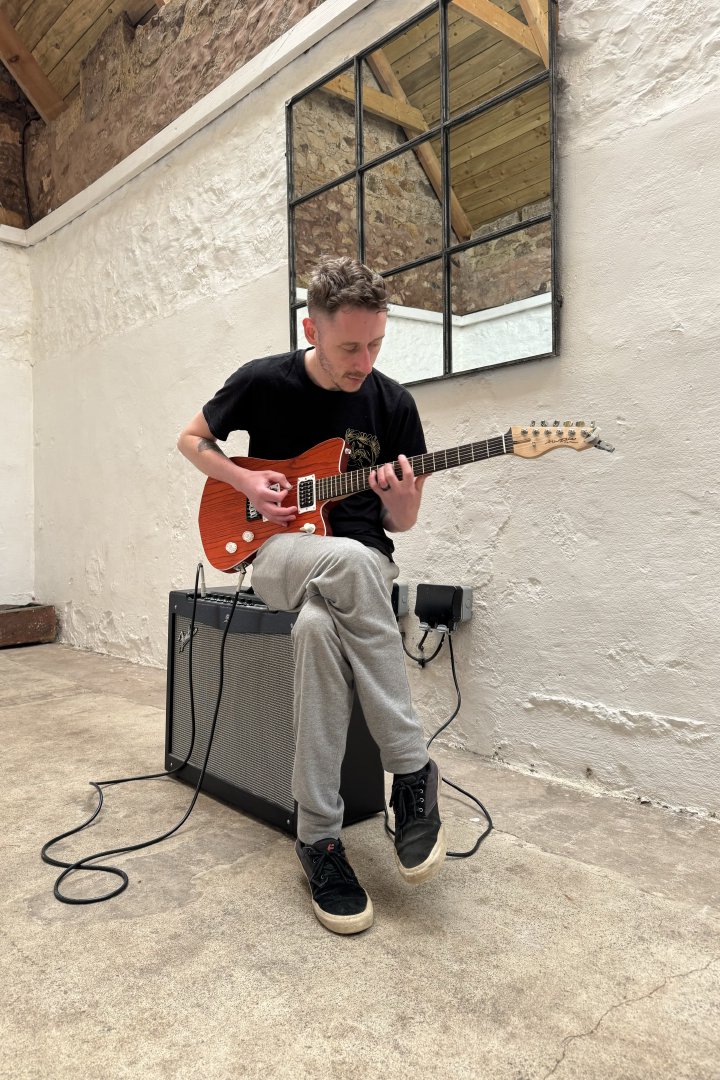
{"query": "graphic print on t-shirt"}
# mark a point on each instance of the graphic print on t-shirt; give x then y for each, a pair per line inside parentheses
(364, 448)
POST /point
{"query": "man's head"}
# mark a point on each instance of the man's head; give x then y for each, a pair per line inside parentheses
(347, 312)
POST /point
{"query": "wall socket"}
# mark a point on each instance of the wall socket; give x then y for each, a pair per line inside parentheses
(400, 599)
(443, 607)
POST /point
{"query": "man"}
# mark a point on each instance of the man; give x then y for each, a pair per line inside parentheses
(345, 635)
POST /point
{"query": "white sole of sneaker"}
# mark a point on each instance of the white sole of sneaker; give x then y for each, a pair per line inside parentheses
(432, 866)
(345, 924)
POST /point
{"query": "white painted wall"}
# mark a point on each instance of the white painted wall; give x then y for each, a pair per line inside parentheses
(16, 413)
(592, 653)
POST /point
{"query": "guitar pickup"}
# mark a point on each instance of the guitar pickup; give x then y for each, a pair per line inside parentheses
(306, 494)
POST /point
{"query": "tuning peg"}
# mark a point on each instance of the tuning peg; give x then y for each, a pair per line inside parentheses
(543, 423)
(533, 423)
(567, 423)
(556, 423)
(580, 423)
(524, 431)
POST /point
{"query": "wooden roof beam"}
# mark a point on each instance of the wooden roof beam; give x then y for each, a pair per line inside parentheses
(536, 15)
(489, 14)
(377, 104)
(383, 72)
(27, 73)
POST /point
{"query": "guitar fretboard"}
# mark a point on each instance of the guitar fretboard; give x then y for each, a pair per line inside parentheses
(351, 483)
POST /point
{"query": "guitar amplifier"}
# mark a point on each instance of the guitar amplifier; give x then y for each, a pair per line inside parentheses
(251, 760)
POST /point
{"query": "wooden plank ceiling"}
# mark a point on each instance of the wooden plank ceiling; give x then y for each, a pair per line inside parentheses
(499, 162)
(43, 43)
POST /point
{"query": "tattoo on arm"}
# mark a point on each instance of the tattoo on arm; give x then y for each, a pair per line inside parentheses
(208, 444)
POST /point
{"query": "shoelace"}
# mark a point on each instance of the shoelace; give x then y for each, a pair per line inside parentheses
(408, 800)
(331, 866)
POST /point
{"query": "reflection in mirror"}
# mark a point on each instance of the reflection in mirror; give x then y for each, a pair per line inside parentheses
(501, 289)
(325, 223)
(403, 212)
(323, 133)
(413, 346)
(500, 161)
(501, 299)
(401, 88)
(494, 190)
(301, 314)
(484, 62)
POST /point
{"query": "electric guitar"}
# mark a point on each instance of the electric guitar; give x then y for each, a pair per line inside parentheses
(232, 531)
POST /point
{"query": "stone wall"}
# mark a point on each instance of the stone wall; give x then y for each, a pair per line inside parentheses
(16, 422)
(136, 81)
(14, 112)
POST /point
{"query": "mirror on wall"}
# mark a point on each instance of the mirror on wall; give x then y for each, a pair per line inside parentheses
(430, 159)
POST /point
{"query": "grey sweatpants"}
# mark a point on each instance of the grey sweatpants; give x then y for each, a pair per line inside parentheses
(345, 637)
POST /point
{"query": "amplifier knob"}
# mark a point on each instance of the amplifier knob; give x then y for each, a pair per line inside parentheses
(231, 548)
(248, 536)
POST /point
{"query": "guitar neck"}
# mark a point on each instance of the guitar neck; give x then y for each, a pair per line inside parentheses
(352, 483)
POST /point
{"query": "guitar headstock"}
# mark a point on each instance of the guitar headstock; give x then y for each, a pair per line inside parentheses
(537, 438)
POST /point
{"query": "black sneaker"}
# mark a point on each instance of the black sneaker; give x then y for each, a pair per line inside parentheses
(419, 833)
(339, 900)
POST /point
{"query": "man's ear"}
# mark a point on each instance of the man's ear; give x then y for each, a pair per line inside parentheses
(310, 330)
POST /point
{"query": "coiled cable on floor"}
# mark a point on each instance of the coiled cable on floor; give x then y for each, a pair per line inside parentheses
(89, 862)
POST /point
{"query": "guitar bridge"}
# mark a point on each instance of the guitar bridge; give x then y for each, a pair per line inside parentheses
(306, 494)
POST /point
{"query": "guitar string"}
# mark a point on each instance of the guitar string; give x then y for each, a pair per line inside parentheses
(352, 483)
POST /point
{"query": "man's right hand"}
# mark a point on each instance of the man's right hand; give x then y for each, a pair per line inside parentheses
(266, 490)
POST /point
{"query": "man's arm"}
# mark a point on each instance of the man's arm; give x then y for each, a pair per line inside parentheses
(197, 443)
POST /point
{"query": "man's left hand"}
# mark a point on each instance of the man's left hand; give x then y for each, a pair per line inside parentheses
(400, 496)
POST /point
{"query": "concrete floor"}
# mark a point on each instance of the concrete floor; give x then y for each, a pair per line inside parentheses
(583, 941)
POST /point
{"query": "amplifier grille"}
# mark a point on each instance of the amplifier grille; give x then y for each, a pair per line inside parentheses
(254, 744)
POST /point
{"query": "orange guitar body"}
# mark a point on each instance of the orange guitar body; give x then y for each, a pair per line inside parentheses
(230, 533)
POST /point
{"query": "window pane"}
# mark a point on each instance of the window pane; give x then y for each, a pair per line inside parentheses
(413, 346)
(323, 134)
(500, 162)
(403, 208)
(501, 299)
(401, 88)
(483, 63)
(325, 225)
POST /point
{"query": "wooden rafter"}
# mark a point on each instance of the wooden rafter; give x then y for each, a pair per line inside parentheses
(536, 15)
(27, 73)
(489, 14)
(383, 105)
(383, 72)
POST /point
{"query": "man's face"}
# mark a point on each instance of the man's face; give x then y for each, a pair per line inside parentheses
(345, 346)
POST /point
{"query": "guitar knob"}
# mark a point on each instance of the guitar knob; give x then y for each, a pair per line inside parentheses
(231, 548)
(248, 536)
(308, 528)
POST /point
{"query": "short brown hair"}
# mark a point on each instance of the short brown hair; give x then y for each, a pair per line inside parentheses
(344, 282)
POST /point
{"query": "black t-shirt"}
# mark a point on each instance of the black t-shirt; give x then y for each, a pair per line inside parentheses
(285, 413)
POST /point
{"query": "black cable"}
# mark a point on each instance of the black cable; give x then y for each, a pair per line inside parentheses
(422, 661)
(88, 863)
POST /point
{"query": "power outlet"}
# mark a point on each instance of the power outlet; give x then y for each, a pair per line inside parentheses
(443, 607)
